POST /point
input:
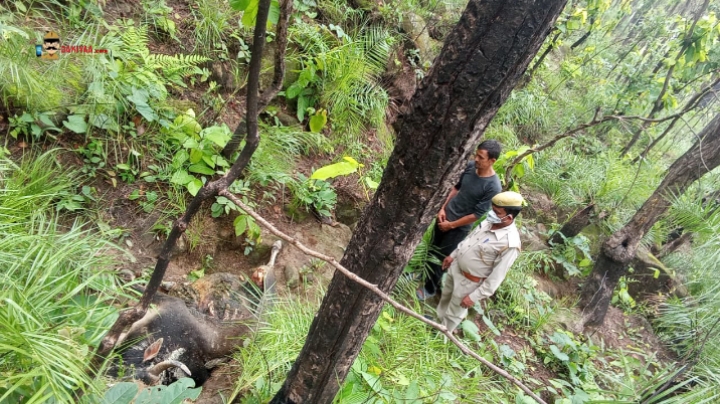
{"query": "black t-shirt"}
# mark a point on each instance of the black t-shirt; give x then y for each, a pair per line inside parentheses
(474, 195)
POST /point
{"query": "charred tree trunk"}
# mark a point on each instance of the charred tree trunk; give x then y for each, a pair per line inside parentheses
(573, 226)
(617, 251)
(481, 61)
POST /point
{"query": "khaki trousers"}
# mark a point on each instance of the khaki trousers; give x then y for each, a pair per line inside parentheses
(454, 288)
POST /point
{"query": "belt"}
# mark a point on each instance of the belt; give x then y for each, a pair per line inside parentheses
(472, 277)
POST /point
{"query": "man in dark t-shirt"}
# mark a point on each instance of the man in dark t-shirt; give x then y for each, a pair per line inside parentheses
(468, 201)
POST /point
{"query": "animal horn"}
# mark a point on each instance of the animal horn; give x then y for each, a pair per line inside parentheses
(165, 365)
(275, 250)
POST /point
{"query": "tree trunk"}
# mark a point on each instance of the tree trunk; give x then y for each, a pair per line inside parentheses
(573, 226)
(617, 251)
(481, 61)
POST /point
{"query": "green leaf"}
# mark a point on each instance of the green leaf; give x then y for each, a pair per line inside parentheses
(490, 325)
(76, 123)
(240, 225)
(334, 170)
(196, 155)
(201, 168)
(250, 10)
(181, 177)
(370, 183)
(147, 112)
(240, 5)
(559, 354)
(194, 186)
(219, 135)
(181, 390)
(470, 330)
(302, 104)
(121, 393)
(21, 7)
(318, 121)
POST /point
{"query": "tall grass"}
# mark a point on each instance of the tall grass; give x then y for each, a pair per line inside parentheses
(401, 359)
(56, 289)
(689, 324)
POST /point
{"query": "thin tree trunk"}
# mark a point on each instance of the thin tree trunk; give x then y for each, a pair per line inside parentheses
(281, 39)
(528, 77)
(481, 61)
(585, 36)
(210, 189)
(617, 251)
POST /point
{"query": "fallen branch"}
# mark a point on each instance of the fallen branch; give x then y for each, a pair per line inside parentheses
(380, 293)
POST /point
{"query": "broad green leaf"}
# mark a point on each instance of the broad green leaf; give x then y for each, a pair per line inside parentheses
(334, 170)
(240, 5)
(250, 10)
(219, 135)
(240, 225)
(470, 330)
(179, 391)
(196, 156)
(318, 121)
(147, 112)
(194, 186)
(121, 393)
(181, 177)
(559, 354)
(201, 168)
(76, 123)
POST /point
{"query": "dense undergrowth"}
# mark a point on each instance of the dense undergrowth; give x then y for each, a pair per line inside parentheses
(153, 116)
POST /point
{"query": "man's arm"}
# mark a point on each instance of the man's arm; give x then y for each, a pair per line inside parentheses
(497, 276)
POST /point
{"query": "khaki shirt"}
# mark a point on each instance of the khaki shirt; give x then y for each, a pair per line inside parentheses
(488, 254)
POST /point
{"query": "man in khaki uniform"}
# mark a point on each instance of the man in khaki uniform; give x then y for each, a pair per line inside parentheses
(480, 262)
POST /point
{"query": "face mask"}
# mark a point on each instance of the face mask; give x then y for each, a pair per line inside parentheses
(493, 218)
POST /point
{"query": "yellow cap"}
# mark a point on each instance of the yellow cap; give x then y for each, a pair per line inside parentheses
(51, 35)
(508, 199)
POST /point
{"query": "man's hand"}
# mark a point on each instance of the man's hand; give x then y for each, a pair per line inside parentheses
(466, 302)
(441, 215)
(446, 262)
(445, 226)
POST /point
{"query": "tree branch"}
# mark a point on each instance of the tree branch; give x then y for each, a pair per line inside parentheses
(658, 104)
(380, 293)
(691, 104)
(131, 315)
(595, 121)
(281, 39)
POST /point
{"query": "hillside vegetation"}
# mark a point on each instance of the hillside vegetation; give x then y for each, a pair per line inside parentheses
(103, 151)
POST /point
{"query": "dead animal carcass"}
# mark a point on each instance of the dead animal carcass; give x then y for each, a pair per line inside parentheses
(173, 340)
